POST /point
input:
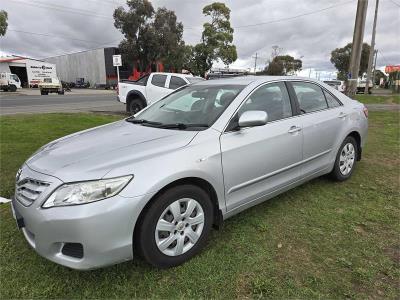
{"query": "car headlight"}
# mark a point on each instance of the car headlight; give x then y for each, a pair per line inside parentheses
(86, 192)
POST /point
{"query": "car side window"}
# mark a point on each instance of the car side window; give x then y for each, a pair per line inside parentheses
(332, 101)
(159, 80)
(310, 96)
(176, 82)
(272, 98)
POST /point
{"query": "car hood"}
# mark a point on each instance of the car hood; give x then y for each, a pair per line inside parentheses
(92, 153)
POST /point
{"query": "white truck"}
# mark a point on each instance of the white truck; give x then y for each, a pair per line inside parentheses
(150, 88)
(361, 86)
(50, 85)
(9, 82)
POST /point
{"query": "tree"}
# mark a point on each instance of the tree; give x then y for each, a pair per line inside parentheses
(3, 22)
(340, 58)
(150, 36)
(169, 38)
(216, 41)
(284, 65)
(378, 75)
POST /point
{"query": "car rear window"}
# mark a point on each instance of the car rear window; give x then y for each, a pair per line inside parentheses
(176, 82)
(310, 96)
(159, 80)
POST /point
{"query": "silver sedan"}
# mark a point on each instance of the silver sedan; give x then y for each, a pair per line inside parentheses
(157, 182)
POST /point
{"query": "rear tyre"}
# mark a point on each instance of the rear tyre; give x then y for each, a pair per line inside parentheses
(135, 105)
(44, 93)
(175, 226)
(346, 159)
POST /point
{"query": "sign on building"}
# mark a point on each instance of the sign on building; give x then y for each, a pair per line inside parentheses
(37, 70)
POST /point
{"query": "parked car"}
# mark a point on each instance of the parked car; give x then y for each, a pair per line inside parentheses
(9, 82)
(157, 182)
(51, 85)
(138, 94)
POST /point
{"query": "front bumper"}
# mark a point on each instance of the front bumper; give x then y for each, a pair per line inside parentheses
(103, 229)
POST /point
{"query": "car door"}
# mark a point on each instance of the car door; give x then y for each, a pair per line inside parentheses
(156, 87)
(259, 160)
(322, 125)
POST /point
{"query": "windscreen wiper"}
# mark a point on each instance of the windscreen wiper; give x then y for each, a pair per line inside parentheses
(142, 121)
(182, 126)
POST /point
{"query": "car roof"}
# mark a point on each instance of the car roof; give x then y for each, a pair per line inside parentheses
(246, 80)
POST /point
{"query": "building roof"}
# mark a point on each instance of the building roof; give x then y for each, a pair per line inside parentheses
(15, 58)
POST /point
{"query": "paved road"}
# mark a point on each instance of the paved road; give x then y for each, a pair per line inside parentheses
(59, 103)
(14, 104)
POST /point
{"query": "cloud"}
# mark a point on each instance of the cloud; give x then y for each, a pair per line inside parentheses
(312, 36)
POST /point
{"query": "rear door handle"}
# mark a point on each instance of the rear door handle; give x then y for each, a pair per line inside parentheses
(342, 115)
(294, 129)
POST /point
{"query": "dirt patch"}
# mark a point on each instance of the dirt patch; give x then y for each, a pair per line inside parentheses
(361, 229)
(243, 290)
(393, 253)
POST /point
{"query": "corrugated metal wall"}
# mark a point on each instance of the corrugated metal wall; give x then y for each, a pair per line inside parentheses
(88, 64)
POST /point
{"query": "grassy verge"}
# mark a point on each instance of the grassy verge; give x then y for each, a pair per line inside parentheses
(320, 240)
(375, 99)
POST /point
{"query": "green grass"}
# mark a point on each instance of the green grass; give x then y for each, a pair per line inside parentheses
(320, 240)
(375, 99)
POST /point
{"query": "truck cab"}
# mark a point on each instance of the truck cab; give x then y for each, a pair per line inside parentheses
(9, 82)
(151, 88)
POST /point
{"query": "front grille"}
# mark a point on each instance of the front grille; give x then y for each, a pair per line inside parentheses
(28, 190)
(73, 250)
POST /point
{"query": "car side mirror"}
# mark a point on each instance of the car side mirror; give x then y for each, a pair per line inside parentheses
(253, 118)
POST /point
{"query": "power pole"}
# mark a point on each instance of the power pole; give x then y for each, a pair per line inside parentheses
(371, 52)
(255, 63)
(356, 49)
(373, 73)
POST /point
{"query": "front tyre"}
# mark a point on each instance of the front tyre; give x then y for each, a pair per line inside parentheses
(175, 227)
(346, 159)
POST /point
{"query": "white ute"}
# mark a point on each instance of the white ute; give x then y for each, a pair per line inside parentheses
(150, 88)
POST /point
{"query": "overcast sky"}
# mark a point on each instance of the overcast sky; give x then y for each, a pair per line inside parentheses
(77, 25)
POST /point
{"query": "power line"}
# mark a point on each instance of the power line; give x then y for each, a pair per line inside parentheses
(395, 3)
(82, 50)
(63, 9)
(294, 17)
(383, 56)
(53, 35)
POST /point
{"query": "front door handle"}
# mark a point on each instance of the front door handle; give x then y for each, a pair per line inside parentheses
(294, 129)
(342, 115)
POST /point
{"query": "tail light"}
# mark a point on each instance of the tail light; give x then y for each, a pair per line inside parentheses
(365, 110)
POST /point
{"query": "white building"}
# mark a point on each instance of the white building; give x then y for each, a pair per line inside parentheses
(30, 71)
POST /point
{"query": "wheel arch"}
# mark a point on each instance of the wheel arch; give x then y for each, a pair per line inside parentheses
(135, 95)
(197, 181)
(357, 136)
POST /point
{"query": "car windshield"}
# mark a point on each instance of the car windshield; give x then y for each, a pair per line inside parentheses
(196, 107)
